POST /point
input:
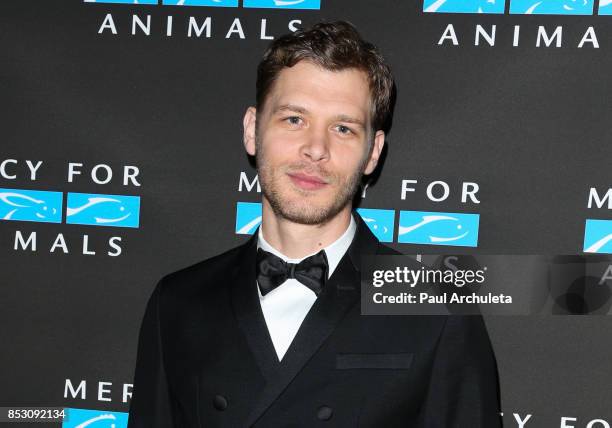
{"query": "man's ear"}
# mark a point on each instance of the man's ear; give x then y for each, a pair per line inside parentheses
(377, 146)
(248, 123)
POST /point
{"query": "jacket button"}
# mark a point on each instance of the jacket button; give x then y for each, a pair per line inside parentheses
(220, 402)
(324, 413)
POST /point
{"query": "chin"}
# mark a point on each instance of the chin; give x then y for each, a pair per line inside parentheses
(306, 212)
(304, 206)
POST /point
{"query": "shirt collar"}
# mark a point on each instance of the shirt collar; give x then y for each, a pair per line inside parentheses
(333, 251)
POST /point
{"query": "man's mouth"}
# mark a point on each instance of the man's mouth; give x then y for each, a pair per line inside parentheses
(307, 182)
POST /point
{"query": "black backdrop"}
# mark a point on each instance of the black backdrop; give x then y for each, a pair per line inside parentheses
(528, 124)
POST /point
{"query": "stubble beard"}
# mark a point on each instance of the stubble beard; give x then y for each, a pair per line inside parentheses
(300, 209)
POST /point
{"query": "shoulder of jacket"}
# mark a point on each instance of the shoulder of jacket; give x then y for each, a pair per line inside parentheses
(202, 272)
(383, 250)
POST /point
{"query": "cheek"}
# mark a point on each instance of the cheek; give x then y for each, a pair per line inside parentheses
(274, 152)
(280, 141)
(349, 159)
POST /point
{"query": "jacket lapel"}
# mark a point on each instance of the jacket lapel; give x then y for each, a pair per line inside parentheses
(247, 309)
(339, 295)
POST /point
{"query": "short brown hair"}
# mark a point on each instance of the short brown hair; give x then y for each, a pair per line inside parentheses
(334, 46)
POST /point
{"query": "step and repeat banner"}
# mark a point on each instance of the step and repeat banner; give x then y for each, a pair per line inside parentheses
(121, 160)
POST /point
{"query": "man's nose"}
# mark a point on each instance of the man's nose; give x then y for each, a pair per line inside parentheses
(316, 147)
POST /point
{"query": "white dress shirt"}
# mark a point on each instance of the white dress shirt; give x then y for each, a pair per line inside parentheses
(285, 307)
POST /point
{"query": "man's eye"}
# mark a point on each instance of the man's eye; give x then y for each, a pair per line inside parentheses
(344, 129)
(294, 120)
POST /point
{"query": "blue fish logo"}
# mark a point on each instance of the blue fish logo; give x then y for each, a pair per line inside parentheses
(605, 7)
(83, 418)
(248, 217)
(552, 7)
(464, 6)
(380, 222)
(209, 3)
(122, 1)
(283, 4)
(598, 236)
(103, 210)
(435, 228)
(31, 205)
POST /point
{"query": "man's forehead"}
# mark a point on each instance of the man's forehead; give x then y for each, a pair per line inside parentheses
(307, 87)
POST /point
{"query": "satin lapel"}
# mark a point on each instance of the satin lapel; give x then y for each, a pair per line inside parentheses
(341, 292)
(247, 310)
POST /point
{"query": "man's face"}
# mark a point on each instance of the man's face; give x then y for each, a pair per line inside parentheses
(312, 141)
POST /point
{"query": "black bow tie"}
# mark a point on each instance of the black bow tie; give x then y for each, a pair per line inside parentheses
(272, 271)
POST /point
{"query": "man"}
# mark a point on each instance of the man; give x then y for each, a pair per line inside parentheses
(269, 334)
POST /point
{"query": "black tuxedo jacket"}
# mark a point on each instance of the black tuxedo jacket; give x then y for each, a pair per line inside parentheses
(205, 358)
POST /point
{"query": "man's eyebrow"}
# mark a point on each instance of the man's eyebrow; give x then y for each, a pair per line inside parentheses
(350, 119)
(290, 107)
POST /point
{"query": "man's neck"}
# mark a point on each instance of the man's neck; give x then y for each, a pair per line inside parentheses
(300, 240)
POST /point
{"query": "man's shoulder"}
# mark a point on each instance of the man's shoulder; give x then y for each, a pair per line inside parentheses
(384, 250)
(211, 271)
(410, 259)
